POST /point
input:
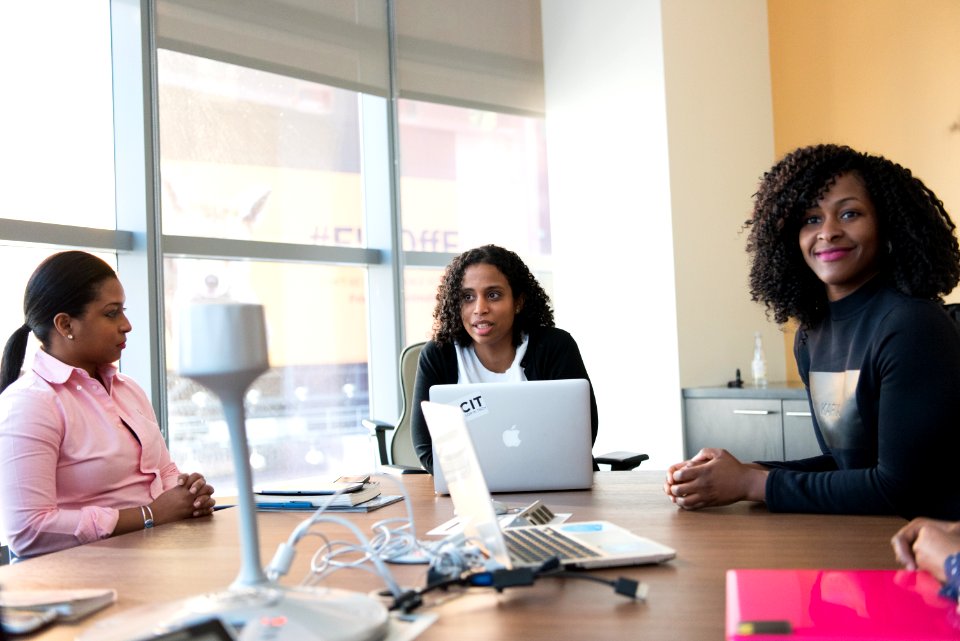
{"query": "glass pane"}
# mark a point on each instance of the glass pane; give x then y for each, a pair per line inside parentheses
(57, 126)
(472, 177)
(19, 261)
(303, 415)
(419, 298)
(251, 155)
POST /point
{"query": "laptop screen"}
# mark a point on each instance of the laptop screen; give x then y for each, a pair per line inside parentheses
(454, 454)
(519, 427)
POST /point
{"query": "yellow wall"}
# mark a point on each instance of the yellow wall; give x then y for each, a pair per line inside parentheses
(720, 143)
(878, 75)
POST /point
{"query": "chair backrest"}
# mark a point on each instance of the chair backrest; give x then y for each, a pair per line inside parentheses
(401, 446)
(953, 310)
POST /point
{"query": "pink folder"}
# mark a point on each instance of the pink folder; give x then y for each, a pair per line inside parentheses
(828, 605)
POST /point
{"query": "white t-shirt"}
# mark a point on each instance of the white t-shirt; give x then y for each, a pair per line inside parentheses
(471, 370)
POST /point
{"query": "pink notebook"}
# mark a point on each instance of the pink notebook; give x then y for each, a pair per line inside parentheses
(835, 605)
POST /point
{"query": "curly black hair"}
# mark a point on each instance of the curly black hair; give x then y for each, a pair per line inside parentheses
(536, 312)
(921, 257)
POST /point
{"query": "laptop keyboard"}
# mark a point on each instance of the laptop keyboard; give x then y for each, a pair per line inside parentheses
(536, 545)
(536, 514)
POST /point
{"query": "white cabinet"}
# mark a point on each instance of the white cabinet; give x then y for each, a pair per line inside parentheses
(799, 438)
(753, 424)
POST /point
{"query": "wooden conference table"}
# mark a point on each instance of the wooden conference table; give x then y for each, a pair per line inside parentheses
(686, 598)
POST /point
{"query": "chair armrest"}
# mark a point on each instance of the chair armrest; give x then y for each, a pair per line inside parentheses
(376, 426)
(379, 429)
(621, 461)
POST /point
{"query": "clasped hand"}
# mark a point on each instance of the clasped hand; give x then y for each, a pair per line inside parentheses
(925, 544)
(714, 477)
(192, 496)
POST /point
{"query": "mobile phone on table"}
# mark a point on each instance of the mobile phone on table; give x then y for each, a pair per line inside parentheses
(16, 621)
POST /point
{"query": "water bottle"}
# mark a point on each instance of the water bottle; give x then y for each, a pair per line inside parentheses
(759, 364)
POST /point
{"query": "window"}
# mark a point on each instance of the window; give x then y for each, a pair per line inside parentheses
(303, 415)
(255, 156)
(275, 184)
(472, 177)
(57, 153)
(56, 160)
(251, 155)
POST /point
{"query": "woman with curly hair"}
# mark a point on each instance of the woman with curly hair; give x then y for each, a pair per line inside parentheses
(859, 252)
(492, 323)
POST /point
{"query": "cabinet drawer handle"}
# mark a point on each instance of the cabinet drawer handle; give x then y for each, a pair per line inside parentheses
(803, 414)
(753, 412)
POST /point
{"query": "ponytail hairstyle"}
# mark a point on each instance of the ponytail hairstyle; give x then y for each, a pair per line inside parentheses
(63, 283)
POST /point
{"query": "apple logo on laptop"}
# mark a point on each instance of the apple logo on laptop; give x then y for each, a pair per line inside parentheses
(511, 437)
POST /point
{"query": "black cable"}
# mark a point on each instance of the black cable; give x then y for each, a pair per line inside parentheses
(622, 585)
(503, 578)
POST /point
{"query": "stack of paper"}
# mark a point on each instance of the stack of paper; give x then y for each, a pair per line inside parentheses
(362, 498)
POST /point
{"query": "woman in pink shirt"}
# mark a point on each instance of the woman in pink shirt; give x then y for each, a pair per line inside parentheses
(81, 455)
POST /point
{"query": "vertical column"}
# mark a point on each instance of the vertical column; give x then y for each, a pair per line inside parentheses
(138, 209)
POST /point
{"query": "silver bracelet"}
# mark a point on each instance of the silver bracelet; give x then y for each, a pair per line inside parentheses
(147, 520)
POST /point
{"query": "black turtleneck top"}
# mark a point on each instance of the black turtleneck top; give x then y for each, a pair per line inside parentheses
(882, 372)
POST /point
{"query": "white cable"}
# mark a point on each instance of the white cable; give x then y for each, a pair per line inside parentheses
(391, 538)
(385, 539)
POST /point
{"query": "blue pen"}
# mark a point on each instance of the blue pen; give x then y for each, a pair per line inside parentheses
(287, 505)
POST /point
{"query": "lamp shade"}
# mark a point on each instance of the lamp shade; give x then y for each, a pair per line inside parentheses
(223, 341)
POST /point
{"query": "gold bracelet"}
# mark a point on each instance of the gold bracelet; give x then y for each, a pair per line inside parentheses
(147, 520)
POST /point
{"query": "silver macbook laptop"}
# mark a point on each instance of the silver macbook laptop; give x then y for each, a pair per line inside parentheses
(529, 437)
(586, 544)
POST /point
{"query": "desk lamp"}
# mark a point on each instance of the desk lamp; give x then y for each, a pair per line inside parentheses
(223, 346)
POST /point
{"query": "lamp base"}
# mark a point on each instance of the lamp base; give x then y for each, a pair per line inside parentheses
(268, 612)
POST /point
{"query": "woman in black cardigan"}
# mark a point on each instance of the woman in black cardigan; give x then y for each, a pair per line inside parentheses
(492, 323)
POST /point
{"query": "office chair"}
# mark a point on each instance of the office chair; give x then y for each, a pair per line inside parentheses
(401, 456)
(621, 461)
(953, 311)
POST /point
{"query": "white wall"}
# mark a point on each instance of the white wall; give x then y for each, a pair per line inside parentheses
(653, 153)
(610, 214)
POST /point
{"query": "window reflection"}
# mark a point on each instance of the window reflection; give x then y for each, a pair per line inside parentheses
(472, 177)
(251, 155)
(303, 415)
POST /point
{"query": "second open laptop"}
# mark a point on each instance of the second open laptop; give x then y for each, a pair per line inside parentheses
(530, 436)
(586, 544)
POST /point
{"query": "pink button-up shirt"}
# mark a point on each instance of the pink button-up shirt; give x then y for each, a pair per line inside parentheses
(73, 453)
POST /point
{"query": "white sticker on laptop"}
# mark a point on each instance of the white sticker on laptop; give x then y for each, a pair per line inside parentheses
(473, 406)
